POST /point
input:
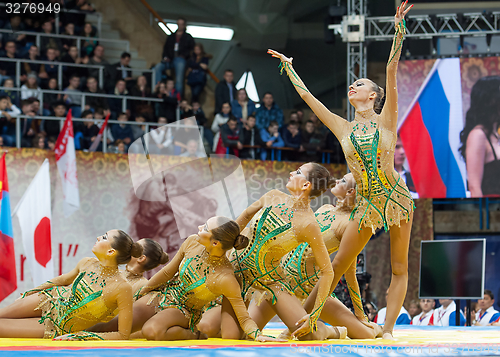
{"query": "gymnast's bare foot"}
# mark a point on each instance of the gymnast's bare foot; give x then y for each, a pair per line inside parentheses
(285, 335)
(378, 329)
(387, 335)
(337, 332)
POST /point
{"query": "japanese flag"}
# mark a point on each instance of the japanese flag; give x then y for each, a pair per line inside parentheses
(66, 164)
(34, 214)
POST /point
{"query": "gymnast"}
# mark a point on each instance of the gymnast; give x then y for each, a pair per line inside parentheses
(383, 200)
(66, 306)
(278, 224)
(301, 272)
(196, 277)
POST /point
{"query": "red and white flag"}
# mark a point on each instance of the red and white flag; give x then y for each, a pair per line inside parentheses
(34, 214)
(97, 140)
(66, 164)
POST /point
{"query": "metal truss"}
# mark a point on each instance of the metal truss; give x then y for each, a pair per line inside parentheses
(441, 25)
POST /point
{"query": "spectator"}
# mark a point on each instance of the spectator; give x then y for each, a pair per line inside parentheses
(271, 137)
(8, 69)
(219, 120)
(318, 125)
(51, 127)
(47, 42)
(27, 68)
(69, 30)
(27, 124)
(116, 104)
(121, 69)
(89, 44)
(176, 52)
(426, 317)
(184, 134)
(171, 99)
(122, 131)
(72, 57)
(162, 138)
(141, 89)
(77, 18)
(312, 142)
(197, 68)
(225, 91)
(268, 112)
(87, 133)
(97, 59)
(242, 107)
(15, 24)
(185, 109)
(250, 136)
(139, 130)
(399, 160)
(50, 98)
(39, 142)
(445, 314)
(120, 147)
(13, 95)
(51, 143)
(73, 96)
(414, 309)
(192, 150)
(31, 88)
(300, 115)
(51, 69)
(293, 140)
(371, 310)
(332, 144)
(8, 123)
(229, 139)
(12, 109)
(201, 120)
(35, 105)
(486, 314)
(94, 102)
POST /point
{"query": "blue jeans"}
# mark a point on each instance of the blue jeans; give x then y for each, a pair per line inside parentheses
(179, 66)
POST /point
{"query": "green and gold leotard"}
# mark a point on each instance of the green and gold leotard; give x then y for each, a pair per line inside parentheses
(382, 199)
(198, 284)
(299, 266)
(271, 237)
(76, 307)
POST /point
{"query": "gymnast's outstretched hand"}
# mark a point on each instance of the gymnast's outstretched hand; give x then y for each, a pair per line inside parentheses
(264, 338)
(401, 12)
(281, 56)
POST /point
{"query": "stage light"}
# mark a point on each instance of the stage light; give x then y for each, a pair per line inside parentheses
(203, 32)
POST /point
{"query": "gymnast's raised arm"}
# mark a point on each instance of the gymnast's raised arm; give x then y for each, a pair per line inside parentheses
(334, 122)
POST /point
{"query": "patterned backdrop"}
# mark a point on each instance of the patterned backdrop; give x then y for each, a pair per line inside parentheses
(107, 201)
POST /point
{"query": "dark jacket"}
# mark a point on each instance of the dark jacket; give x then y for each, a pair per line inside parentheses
(122, 133)
(229, 138)
(246, 139)
(222, 94)
(186, 45)
(96, 102)
(290, 141)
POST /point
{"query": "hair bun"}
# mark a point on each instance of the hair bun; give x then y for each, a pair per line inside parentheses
(136, 250)
(240, 242)
(164, 258)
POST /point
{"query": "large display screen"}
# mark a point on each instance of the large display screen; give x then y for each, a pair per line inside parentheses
(449, 111)
(452, 269)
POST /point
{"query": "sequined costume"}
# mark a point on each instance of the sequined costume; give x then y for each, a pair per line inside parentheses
(270, 238)
(70, 309)
(299, 266)
(273, 233)
(199, 282)
(369, 142)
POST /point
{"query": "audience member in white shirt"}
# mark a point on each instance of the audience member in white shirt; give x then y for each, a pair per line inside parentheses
(426, 317)
(486, 314)
(445, 314)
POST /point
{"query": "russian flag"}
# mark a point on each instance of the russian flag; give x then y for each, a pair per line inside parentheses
(8, 279)
(430, 132)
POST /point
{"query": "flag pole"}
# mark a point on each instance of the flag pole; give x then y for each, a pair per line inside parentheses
(420, 90)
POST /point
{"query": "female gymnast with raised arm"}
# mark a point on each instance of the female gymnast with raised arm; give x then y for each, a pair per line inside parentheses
(66, 306)
(383, 200)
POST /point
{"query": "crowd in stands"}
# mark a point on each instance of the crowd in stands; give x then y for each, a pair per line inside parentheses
(240, 127)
